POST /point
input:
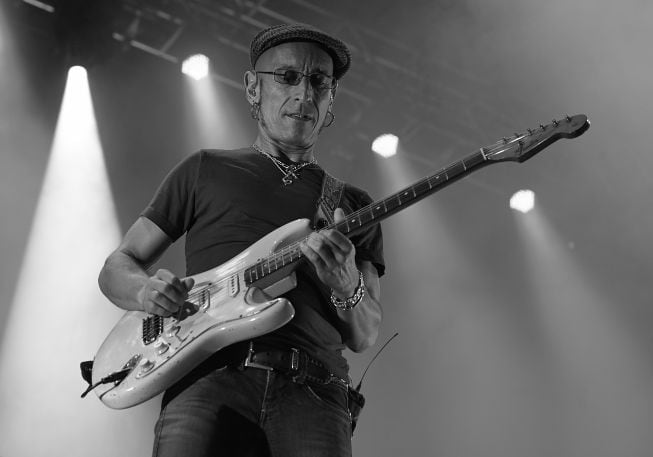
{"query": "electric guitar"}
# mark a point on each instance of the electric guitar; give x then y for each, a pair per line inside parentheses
(145, 354)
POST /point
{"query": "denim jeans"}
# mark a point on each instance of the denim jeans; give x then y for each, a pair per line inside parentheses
(252, 412)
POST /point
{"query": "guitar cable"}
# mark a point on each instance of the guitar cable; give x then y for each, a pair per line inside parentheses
(116, 376)
(355, 398)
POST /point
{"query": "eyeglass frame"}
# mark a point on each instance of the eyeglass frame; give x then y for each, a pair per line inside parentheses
(280, 72)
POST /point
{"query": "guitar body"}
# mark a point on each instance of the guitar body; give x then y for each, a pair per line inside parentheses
(221, 310)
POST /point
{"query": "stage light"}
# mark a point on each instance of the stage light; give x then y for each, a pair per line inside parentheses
(196, 66)
(57, 298)
(385, 145)
(523, 201)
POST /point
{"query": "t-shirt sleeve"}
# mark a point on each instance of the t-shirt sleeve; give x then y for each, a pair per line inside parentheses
(369, 242)
(172, 207)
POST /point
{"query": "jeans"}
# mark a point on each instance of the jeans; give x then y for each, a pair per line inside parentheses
(252, 412)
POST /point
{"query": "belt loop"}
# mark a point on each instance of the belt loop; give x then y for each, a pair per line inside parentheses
(294, 360)
(250, 363)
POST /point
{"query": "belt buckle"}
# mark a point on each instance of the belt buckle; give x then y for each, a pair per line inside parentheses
(248, 360)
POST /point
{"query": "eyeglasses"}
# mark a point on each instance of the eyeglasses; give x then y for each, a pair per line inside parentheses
(319, 81)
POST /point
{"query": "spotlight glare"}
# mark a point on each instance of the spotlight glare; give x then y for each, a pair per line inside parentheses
(385, 145)
(196, 66)
(523, 201)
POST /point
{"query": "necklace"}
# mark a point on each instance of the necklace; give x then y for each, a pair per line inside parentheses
(290, 172)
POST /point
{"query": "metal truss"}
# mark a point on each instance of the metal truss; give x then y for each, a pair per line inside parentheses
(388, 76)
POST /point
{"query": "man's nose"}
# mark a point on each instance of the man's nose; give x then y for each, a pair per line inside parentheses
(304, 90)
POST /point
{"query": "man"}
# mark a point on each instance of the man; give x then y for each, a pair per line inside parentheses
(226, 200)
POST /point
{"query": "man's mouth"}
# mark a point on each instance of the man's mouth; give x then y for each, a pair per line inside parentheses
(301, 117)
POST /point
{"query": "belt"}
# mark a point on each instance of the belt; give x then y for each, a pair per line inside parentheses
(294, 363)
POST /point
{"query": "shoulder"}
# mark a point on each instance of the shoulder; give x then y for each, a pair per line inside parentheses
(356, 195)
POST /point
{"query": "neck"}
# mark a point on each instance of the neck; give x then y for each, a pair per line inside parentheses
(278, 149)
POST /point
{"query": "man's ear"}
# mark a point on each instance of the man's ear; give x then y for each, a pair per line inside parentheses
(252, 92)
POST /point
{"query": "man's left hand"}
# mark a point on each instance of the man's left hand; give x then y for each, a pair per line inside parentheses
(333, 256)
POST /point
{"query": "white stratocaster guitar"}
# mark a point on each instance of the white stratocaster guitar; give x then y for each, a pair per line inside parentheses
(239, 300)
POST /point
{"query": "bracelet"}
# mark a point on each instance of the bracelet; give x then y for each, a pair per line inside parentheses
(349, 303)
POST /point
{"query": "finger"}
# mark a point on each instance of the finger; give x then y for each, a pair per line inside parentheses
(170, 278)
(339, 215)
(312, 256)
(339, 241)
(161, 300)
(324, 248)
(188, 283)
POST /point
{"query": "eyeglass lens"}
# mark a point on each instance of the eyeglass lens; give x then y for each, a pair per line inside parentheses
(294, 77)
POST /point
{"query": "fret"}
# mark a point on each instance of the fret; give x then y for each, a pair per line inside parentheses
(434, 178)
(455, 170)
(475, 160)
(378, 210)
(422, 187)
(366, 215)
(391, 204)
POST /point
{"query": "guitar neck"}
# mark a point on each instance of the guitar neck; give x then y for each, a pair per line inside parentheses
(517, 148)
(382, 209)
(373, 213)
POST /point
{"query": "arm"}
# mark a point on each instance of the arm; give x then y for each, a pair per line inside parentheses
(125, 281)
(361, 324)
(333, 256)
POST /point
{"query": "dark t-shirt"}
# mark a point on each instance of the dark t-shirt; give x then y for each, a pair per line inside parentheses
(227, 200)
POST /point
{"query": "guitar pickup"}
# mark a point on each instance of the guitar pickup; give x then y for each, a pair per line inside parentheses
(233, 286)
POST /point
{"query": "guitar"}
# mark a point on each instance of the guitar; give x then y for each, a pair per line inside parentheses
(241, 299)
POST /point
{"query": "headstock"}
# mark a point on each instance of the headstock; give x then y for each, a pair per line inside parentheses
(523, 146)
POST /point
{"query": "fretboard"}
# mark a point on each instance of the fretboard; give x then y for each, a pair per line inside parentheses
(373, 213)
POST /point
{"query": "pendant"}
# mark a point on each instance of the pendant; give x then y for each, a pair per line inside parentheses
(289, 178)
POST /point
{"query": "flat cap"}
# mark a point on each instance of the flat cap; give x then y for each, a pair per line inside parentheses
(286, 33)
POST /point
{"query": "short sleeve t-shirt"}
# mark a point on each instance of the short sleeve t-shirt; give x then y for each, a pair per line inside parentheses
(226, 200)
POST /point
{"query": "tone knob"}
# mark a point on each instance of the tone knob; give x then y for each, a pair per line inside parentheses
(161, 347)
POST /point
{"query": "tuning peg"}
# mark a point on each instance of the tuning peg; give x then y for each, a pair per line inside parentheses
(530, 131)
(568, 118)
(556, 123)
(542, 127)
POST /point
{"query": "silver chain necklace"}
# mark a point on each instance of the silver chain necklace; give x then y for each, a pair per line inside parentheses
(290, 172)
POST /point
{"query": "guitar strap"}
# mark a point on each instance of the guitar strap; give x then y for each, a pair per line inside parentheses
(332, 190)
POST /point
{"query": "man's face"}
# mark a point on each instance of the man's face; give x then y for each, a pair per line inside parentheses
(293, 115)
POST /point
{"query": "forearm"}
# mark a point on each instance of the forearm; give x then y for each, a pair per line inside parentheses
(122, 279)
(360, 325)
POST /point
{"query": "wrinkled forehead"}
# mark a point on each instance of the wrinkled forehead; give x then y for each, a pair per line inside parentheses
(304, 55)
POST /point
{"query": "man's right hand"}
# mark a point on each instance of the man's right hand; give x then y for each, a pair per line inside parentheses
(164, 293)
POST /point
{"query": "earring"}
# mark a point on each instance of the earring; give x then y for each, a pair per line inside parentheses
(255, 110)
(333, 118)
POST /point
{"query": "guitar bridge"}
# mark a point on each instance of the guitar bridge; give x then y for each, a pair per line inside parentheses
(152, 328)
